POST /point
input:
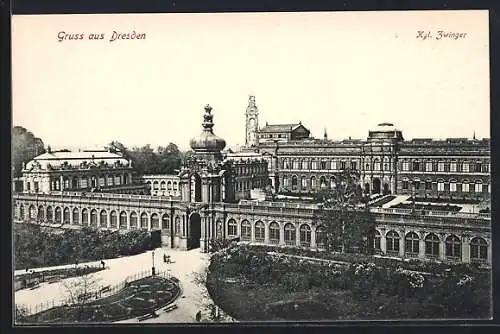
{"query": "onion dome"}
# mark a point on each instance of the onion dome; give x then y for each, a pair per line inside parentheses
(207, 141)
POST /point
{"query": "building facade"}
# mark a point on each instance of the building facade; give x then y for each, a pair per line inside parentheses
(214, 202)
(85, 171)
(455, 168)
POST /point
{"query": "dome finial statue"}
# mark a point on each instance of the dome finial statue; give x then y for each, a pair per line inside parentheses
(207, 141)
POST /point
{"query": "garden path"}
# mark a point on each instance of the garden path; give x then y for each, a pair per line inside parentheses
(185, 263)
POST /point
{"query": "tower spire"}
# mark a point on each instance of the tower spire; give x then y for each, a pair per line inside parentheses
(325, 136)
(474, 135)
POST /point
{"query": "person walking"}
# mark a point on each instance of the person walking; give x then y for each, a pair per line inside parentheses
(198, 316)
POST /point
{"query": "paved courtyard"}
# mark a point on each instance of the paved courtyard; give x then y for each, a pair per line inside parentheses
(185, 265)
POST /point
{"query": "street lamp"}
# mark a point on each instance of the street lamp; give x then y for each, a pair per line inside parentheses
(153, 268)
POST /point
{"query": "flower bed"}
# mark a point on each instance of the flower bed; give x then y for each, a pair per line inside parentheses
(276, 283)
(127, 303)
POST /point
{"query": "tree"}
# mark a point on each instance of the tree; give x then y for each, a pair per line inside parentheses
(169, 159)
(348, 223)
(25, 147)
(80, 292)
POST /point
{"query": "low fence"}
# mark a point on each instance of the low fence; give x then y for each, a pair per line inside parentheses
(32, 278)
(101, 292)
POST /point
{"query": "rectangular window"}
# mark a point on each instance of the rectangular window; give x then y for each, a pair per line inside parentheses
(485, 188)
(416, 166)
(83, 183)
(465, 187)
(479, 187)
(405, 185)
(453, 167)
(465, 167)
(117, 180)
(334, 164)
(314, 165)
(323, 165)
(353, 165)
(478, 167)
(440, 186)
(428, 185)
(406, 166)
(453, 187)
(416, 184)
(28, 186)
(441, 167)
(428, 166)
(101, 181)
(35, 186)
(376, 166)
(485, 168)
(342, 165)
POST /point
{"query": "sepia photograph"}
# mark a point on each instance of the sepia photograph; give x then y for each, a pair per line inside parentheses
(251, 167)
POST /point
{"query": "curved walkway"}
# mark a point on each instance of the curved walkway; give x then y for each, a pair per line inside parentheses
(185, 264)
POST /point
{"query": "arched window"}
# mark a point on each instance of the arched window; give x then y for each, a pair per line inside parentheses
(58, 215)
(21, 211)
(246, 230)
(155, 185)
(133, 220)
(320, 237)
(41, 214)
(303, 182)
(453, 247)
(165, 221)
(103, 219)
(376, 242)
(332, 182)
(66, 216)
(85, 217)
(392, 242)
(294, 182)
(259, 231)
(76, 216)
(169, 185)
(163, 185)
(113, 221)
(313, 182)
(274, 233)
(32, 212)
(93, 217)
(285, 181)
(49, 214)
(155, 221)
(432, 245)
(305, 235)
(478, 249)
(289, 234)
(411, 244)
(144, 220)
(322, 182)
(123, 220)
(232, 227)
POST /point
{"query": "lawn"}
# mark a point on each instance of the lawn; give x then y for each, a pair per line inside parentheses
(138, 298)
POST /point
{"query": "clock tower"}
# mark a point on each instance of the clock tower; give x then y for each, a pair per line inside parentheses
(252, 123)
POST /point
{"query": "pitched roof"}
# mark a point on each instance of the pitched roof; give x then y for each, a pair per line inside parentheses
(279, 127)
(75, 158)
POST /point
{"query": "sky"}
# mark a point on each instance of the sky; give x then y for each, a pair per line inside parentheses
(343, 71)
